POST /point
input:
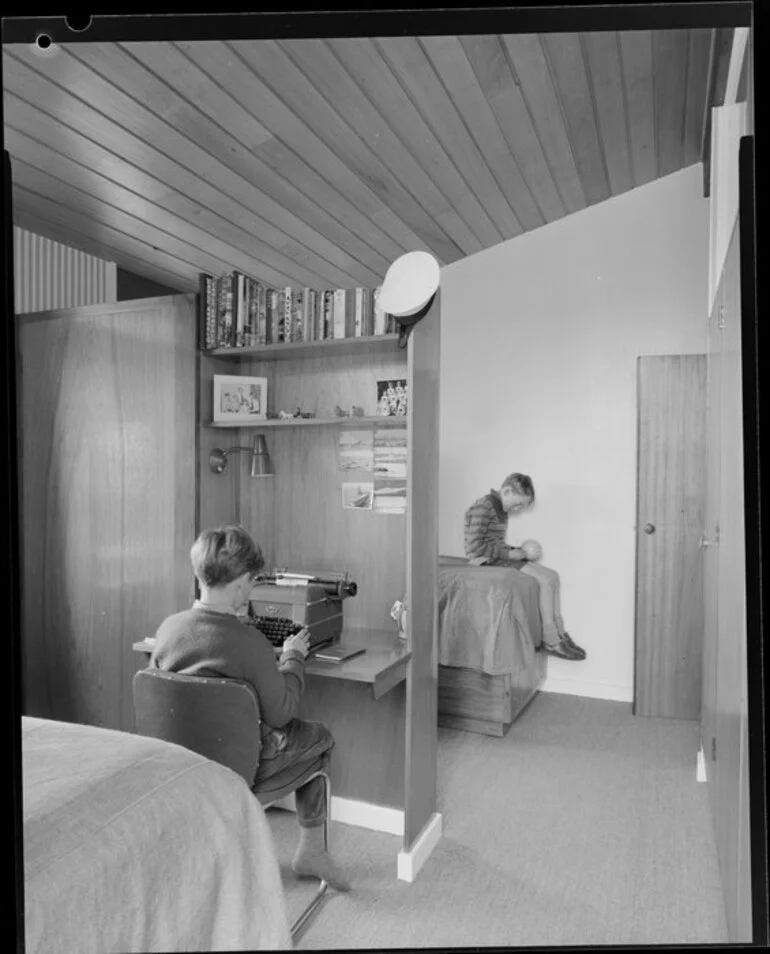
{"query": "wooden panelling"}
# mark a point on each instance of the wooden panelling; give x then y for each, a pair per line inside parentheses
(636, 57)
(731, 649)
(671, 495)
(530, 69)
(564, 52)
(602, 54)
(368, 758)
(319, 161)
(493, 73)
(421, 572)
(107, 478)
(669, 53)
(474, 694)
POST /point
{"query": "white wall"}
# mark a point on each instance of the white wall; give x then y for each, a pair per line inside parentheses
(540, 338)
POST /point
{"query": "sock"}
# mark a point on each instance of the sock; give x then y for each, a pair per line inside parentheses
(551, 635)
(313, 861)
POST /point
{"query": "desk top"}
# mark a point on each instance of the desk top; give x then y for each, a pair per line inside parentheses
(382, 666)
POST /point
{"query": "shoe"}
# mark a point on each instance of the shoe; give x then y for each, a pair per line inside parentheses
(573, 645)
(562, 649)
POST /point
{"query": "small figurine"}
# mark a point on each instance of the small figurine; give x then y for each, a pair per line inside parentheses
(339, 412)
(285, 415)
(357, 411)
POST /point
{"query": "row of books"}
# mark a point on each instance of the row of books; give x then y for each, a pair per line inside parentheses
(241, 312)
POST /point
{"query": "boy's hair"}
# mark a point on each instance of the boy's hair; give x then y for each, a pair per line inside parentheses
(521, 484)
(221, 555)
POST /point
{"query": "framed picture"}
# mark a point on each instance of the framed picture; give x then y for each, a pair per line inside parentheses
(392, 398)
(238, 398)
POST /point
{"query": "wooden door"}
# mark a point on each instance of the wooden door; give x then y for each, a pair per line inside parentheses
(671, 495)
(107, 484)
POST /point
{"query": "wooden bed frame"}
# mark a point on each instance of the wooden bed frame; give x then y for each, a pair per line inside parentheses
(477, 702)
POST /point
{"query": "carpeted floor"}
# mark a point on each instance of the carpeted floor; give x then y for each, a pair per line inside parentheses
(584, 826)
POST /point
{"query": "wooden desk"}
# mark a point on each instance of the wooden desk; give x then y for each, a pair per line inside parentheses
(363, 704)
(382, 666)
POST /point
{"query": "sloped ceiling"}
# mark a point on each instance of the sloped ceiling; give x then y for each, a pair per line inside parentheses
(318, 161)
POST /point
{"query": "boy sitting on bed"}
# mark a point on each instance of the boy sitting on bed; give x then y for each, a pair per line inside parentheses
(209, 640)
(486, 525)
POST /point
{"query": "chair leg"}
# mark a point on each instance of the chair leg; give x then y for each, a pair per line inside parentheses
(315, 902)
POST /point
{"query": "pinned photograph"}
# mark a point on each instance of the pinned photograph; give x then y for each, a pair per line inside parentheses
(357, 496)
(390, 451)
(392, 398)
(390, 496)
(238, 398)
(356, 449)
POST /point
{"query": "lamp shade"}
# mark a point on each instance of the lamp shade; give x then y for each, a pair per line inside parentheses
(261, 465)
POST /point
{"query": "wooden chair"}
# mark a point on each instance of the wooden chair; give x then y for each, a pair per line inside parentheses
(220, 719)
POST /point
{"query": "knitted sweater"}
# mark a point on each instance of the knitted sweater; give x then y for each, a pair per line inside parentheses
(203, 642)
(486, 524)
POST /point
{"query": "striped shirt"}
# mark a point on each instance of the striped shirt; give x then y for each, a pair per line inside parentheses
(486, 524)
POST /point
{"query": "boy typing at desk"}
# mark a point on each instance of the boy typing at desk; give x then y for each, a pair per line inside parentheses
(210, 640)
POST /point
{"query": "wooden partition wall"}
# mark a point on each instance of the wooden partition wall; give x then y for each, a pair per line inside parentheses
(298, 519)
(107, 479)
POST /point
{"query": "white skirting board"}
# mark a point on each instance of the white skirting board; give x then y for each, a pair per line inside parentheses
(591, 690)
(410, 862)
(700, 770)
(350, 811)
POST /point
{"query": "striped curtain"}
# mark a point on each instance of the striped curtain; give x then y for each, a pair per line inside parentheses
(48, 275)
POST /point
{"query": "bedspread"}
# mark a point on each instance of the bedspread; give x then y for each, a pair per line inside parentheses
(132, 844)
(489, 618)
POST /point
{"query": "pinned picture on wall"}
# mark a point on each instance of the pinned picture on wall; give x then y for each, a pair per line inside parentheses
(390, 496)
(239, 398)
(392, 398)
(389, 451)
(356, 448)
(357, 496)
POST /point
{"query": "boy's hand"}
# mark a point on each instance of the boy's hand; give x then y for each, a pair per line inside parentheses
(299, 641)
(516, 553)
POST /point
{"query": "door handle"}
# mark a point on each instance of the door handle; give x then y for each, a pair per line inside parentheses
(649, 528)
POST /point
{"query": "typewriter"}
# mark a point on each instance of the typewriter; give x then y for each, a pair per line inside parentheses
(282, 603)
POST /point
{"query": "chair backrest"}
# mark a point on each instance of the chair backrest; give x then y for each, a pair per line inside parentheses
(216, 717)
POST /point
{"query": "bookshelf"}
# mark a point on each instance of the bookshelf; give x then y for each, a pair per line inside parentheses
(386, 756)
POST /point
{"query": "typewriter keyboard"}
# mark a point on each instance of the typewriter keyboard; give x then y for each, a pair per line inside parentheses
(275, 628)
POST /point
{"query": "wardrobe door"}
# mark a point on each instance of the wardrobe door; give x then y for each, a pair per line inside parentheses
(107, 475)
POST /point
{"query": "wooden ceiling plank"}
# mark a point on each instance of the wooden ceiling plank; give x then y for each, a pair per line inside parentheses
(493, 73)
(45, 209)
(319, 91)
(565, 59)
(197, 133)
(606, 79)
(140, 205)
(184, 280)
(93, 140)
(239, 139)
(164, 151)
(697, 81)
(297, 153)
(408, 61)
(636, 59)
(102, 214)
(451, 65)
(98, 163)
(530, 70)
(669, 51)
(364, 64)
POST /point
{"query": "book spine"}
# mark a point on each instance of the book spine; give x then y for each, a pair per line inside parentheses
(339, 313)
(205, 312)
(288, 330)
(297, 314)
(368, 317)
(380, 318)
(326, 322)
(239, 310)
(261, 314)
(222, 283)
(358, 329)
(269, 315)
(306, 313)
(251, 312)
(350, 312)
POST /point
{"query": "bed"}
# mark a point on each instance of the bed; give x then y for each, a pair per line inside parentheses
(489, 632)
(137, 845)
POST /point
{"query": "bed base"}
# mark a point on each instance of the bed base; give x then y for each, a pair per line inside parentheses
(489, 705)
